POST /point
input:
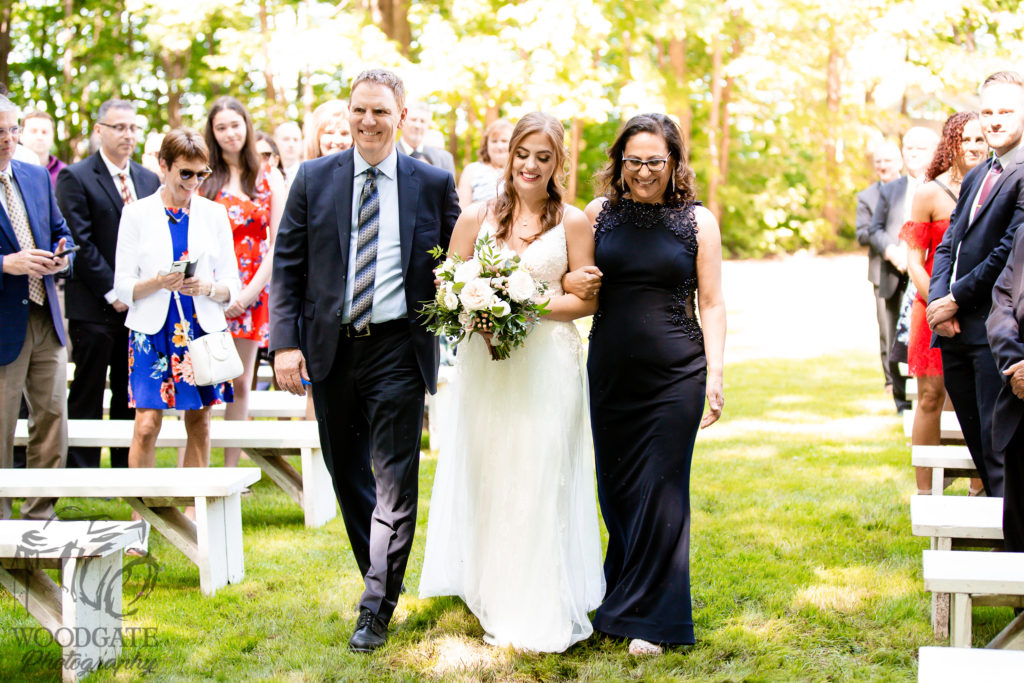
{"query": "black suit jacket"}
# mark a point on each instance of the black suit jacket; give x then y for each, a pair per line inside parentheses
(867, 200)
(307, 288)
(886, 222)
(1004, 327)
(91, 203)
(983, 245)
(435, 156)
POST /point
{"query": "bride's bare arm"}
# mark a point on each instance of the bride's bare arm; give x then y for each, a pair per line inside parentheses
(579, 242)
(466, 229)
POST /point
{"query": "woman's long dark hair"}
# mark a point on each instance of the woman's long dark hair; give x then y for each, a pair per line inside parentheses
(950, 149)
(505, 203)
(679, 193)
(248, 159)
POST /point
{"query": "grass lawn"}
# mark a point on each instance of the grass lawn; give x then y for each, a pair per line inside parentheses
(802, 565)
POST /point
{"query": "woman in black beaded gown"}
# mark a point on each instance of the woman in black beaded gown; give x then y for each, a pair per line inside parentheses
(650, 368)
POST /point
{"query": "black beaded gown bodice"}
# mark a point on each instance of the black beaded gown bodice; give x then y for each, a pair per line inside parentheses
(647, 373)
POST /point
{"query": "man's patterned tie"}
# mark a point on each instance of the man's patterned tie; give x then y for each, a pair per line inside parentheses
(126, 194)
(366, 252)
(15, 212)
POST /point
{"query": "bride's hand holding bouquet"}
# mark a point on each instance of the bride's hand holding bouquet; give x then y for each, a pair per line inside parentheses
(490, 294)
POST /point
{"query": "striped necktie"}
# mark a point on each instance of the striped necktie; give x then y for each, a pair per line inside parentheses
(16, 213)
(366, 252)
(126, 194)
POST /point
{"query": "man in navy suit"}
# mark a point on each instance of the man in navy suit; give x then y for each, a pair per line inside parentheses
(32, 355)
(91, 195)
(351, 272)
(967, 263)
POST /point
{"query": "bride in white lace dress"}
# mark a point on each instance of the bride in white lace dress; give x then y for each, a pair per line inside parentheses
(513, 525)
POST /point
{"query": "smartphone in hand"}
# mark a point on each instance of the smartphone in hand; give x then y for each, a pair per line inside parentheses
(69, 250)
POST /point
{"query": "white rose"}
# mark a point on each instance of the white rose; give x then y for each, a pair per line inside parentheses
(520, 285)
(467, 271)
(477, 295)
(500, 308)
(447, 267)
(451, 300)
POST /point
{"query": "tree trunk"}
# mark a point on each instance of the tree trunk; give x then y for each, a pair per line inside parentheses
(71, 134)
(833, 86)
(273, 104)
(683, 111)
(575, 137)
(453, 140)
(394, 22)
(468, 153)
(6, 14)
(714, 126)
(307, 84)
(174, 70)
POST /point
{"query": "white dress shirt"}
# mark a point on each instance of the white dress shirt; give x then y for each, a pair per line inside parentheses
(389, 286)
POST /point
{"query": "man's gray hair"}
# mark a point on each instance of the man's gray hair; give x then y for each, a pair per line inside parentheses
(114, 103)
(386, 78)
(7, 105)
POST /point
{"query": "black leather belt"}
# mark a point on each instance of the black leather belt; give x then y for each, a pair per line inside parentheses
(376, 329)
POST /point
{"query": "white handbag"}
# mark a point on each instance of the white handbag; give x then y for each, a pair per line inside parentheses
(214, 358)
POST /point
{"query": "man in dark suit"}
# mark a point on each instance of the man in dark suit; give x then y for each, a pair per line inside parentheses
(891, 212)
(967, 263)
(91, 195)
(32, 354)
(888, 162)
(1004, 326)
(414, 133)
(351, 272)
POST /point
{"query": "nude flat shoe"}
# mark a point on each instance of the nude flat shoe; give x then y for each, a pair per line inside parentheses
(642, 647)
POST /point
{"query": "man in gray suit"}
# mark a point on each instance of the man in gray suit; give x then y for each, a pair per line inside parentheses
(891, 211)
(888, 163)
(417, 123)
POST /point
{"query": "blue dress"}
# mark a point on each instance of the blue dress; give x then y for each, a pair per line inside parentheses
(159, 365)
(647, 376)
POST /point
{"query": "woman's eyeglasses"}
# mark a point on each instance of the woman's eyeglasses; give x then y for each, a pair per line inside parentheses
(187, 174)
(633, 165)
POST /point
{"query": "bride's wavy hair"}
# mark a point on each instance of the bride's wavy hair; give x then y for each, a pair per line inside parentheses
(682, 185)
(504, 205)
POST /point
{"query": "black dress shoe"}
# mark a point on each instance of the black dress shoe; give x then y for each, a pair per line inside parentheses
(371, 632)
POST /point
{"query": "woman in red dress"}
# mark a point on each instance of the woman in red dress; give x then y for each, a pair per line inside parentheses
(961, 148)
(254, 196)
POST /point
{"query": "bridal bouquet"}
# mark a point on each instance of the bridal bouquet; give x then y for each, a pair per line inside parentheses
(489, 293)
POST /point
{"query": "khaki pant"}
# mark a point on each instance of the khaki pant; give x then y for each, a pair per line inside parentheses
(40, 372)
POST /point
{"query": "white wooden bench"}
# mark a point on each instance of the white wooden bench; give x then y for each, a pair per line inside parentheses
(955, 522)
(974, 578)
(959, 665)
(947, 462)
(267, 442)
(85, 608)
(279, 404)
(912, 389)
(213, 542)
(949, 426)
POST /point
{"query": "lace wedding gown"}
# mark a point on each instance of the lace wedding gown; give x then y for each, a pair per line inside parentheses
(513, 525)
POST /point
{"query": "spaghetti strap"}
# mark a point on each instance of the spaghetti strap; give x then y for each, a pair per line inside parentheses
(944, 187)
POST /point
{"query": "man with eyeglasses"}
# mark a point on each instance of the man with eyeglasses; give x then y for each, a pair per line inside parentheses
(91, 195)
(33, 237)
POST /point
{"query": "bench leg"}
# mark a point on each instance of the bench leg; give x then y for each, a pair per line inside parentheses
(219, 540)
(36, 592)
(170, 523)
(1010, 637)
(318, 497)
(279, 470)
(938, 483)
(960, 621)
(92, 611)
(940, 601)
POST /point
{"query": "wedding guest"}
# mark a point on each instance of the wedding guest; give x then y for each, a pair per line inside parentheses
(267, 149)
(967, 262)
(651, 366)
(480, 179)
(151, 154)
(33, 359)
(891, 212)
(413, 140)
(961, 148)
(514, 487)
(37, 135)
(174, 224)
(288, 137)
(253, 194)
(327, 130)
(888, 161)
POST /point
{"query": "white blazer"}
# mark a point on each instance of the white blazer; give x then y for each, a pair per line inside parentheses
(144, 249)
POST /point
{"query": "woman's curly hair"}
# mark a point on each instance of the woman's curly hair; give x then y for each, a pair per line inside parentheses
(950, 148)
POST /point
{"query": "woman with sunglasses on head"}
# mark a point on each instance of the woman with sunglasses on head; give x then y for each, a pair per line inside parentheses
(267, 149)
(254, 195)
(650, 367)
(174, 224)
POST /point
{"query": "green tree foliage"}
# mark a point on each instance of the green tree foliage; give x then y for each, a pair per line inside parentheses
(779, 101)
